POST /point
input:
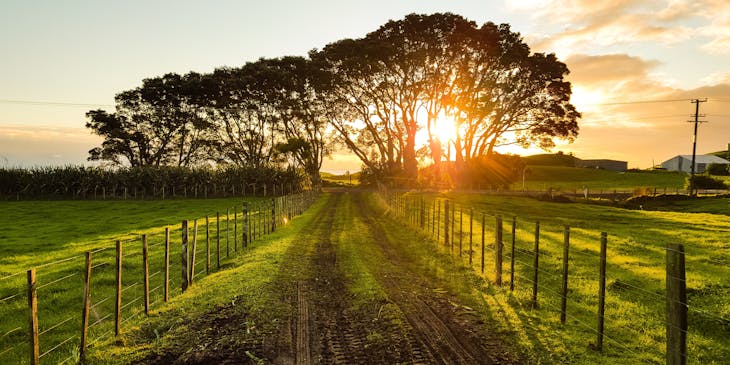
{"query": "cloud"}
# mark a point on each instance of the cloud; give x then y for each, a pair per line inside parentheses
(590, 70)
(623, 29)
(630, 115)
(22, 145)
(585, 24)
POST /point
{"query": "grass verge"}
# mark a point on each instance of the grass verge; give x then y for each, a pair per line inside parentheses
(635, 306)
(250, 287)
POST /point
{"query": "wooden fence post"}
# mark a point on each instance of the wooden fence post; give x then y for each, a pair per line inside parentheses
(453, 223)
(273, 215)
(438, 221)
(118, 303)
(85, 313)
(471, 235)
(536, 265)
(446, 222)
(218, 240)
(433, 218)
(676, 306)
(33, 318)
(498, 252)
(601, 292)
(194, 251)
(207, 245)
(228, 232)
(166, 288)
(483, 224)
(264, 219)
(422, 214)
(245, 227)
(184, 257)
(564, 302)
(235, 228)
(461, 229)
(512, 256)
(146, 272)
(254, 222)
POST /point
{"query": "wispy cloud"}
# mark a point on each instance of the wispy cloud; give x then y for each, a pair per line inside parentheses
(585, 24)
(629, 114)
(43, 145)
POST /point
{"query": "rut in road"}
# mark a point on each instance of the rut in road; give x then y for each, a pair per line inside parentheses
(431, 332)
(450, 338)
(313, 316)
(335, 334)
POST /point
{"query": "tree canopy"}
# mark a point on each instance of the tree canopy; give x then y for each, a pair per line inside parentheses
(422, 70)
(374, 95)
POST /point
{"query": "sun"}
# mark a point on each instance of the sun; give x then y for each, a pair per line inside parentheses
(586, 100)
(444, 129)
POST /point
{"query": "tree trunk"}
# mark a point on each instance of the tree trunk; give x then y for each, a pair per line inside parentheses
(410, 164)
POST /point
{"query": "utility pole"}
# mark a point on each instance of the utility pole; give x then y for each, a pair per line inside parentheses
(697, 115)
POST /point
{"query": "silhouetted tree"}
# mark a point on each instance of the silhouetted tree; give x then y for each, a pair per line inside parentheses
(295, 84)
(411, 72)
(155, 124)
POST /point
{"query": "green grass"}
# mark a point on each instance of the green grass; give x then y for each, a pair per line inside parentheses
(248, 283)
(52, 237)
(357, 256)
(635, 307)
(717, 205)
(570, 178)
(341, 180)
(635, 327)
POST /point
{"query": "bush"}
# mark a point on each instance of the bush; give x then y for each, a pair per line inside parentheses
(705, 182)
(496, 171)
(718, 169)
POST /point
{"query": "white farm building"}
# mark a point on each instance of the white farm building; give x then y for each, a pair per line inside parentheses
(684, 163)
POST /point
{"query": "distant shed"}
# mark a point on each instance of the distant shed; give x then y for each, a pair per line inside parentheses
(684, 163)
(610, 165)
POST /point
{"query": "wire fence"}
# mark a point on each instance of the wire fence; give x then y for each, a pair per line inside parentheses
(551, 276)
(127, 279)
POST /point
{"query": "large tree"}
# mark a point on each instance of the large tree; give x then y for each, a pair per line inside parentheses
(507, 95)
(153, 125)
(245, 121)
(360, 104)
(297, 86)
(267, 110)
(412, 72)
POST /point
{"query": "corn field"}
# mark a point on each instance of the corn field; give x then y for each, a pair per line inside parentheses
(79, 182)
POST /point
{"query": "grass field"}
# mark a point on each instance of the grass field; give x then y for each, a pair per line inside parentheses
(635, 309)
(341, 180)
(52, 236)
(571, 178)
(249, 284)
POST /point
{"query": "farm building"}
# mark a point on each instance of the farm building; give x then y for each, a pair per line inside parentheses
(610, 165)
(684, 163)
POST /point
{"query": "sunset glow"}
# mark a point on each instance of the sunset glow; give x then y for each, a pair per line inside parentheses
(586, 100)
(633, 65)
(444, 130)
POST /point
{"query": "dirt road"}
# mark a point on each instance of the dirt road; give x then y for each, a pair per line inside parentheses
(350, 295)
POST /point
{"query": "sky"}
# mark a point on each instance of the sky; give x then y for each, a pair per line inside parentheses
(635, 65)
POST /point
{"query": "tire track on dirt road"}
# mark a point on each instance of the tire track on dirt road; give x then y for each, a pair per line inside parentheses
(448, 337)
(333, 334)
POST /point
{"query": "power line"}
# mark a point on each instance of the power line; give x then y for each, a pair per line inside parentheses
(53, 103)
(640, 102)
(61, 103)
